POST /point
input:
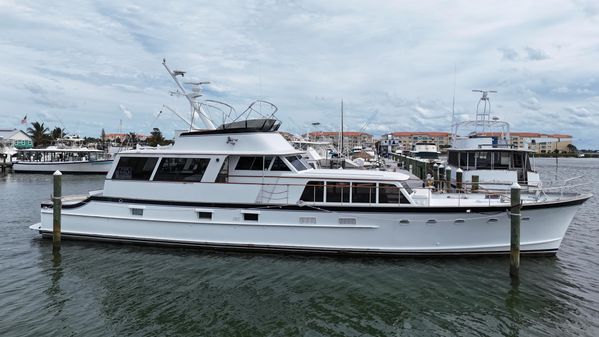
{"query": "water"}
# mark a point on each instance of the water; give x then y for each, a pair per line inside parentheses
(98, 289)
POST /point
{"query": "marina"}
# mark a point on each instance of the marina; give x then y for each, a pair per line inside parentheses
(129, 290)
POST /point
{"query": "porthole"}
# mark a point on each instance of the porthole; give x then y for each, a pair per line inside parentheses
(492, 220)
(404, 221)
(459, 221)
(431, 221)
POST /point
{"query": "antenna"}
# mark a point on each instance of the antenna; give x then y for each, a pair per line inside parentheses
(453, 100)
(483, 117)
(191, 97)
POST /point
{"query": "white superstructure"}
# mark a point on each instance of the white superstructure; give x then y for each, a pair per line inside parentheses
(242, 186)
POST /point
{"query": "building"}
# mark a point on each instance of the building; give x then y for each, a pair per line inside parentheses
(539, 142)
(15, 138)
(403, 141)
(351, 139)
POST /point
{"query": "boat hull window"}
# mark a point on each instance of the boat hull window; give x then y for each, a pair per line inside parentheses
(134, 168)
(313, 192)
(363, 193)
(337, 192)
(181, 169)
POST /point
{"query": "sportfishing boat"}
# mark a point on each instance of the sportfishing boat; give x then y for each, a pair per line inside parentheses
(425, 151)
(241, 185)
(67, 156)
(482, 148)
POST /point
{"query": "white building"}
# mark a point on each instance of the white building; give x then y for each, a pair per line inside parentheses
(11, 140)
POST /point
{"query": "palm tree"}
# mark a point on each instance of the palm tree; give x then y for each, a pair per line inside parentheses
(57, 133)
(39, 134)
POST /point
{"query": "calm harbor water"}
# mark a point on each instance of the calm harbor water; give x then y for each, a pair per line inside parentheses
(99, 289)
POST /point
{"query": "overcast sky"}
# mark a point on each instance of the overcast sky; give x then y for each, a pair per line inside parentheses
(88, 65)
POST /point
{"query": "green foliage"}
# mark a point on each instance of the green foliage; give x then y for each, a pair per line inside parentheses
(39, 134)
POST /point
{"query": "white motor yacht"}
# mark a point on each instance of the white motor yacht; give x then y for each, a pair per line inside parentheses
(243, 186)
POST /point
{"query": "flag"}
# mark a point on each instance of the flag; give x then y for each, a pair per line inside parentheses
(24, 120)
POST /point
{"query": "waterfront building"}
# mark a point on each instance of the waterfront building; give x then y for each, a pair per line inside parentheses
(15, 138)
(539, 142)
(404, 141)
(351, 139)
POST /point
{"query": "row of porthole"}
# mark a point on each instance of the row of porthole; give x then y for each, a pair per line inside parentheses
(456, 221)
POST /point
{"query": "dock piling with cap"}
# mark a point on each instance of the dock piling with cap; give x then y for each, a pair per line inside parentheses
(56, 209)
(515, 230)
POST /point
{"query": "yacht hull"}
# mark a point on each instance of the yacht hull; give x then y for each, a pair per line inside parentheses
(410, 231)
(91, 167)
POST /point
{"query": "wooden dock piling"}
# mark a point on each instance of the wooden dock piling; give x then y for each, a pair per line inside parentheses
(515, 231)
(474, 187)
(56, 209)
(459, 177)
(448, 179)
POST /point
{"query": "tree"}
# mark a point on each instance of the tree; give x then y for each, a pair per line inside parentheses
(132, 139)
(57, 133)
(572, 148)
(156, 138)
(39, 134)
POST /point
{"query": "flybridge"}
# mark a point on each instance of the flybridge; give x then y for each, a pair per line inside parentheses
(259, 116)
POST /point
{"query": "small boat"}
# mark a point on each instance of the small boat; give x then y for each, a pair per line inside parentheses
(67, 156)
(243, 186)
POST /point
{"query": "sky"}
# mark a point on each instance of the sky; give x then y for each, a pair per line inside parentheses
(88, 65)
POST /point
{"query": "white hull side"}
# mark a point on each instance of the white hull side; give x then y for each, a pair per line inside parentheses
(380, 233)
(100, 166)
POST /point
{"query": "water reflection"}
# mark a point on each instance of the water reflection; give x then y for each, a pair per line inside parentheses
(159, 290)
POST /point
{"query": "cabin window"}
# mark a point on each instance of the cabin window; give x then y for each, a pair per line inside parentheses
(483, 160)
(337, 192)
(223, 174)
(137, 211)
(134, 168)
(453, 158)
(279, 165)
(388, 194)
(253, 163)
(363, 193)
(297, 162)
(314, 191)
(181, 169)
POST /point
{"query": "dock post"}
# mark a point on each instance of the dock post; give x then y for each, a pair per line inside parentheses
(441, 176)
(515, 231)
(474, 187)
(410, 168)
(435, 174)
(459, 176)
(56, 209)
(448, 178)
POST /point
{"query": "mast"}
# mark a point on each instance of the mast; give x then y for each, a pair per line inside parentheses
(191, 97)
(343, 153)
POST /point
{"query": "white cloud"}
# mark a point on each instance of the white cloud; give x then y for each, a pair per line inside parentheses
(79, 61)
(126, 111)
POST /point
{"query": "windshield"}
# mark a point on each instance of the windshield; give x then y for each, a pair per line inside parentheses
(297, 162)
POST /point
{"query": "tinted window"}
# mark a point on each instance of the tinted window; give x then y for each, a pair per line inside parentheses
(253, 163)
(453, 158)
(314, 191)
(337, 192)
(362, 192)
(297, 163)
(181, 169)
(223, 174)
(388, 194)
(279, 165)
(134, 168)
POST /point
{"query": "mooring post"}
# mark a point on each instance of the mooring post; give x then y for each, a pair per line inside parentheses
(474, 187)
(448, 178)
(435, 174)
(441, 176)
(459, 176)
(56, 208)
(410, 168)
(515, 231)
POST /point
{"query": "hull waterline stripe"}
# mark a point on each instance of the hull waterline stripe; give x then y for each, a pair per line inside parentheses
(290, 249)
